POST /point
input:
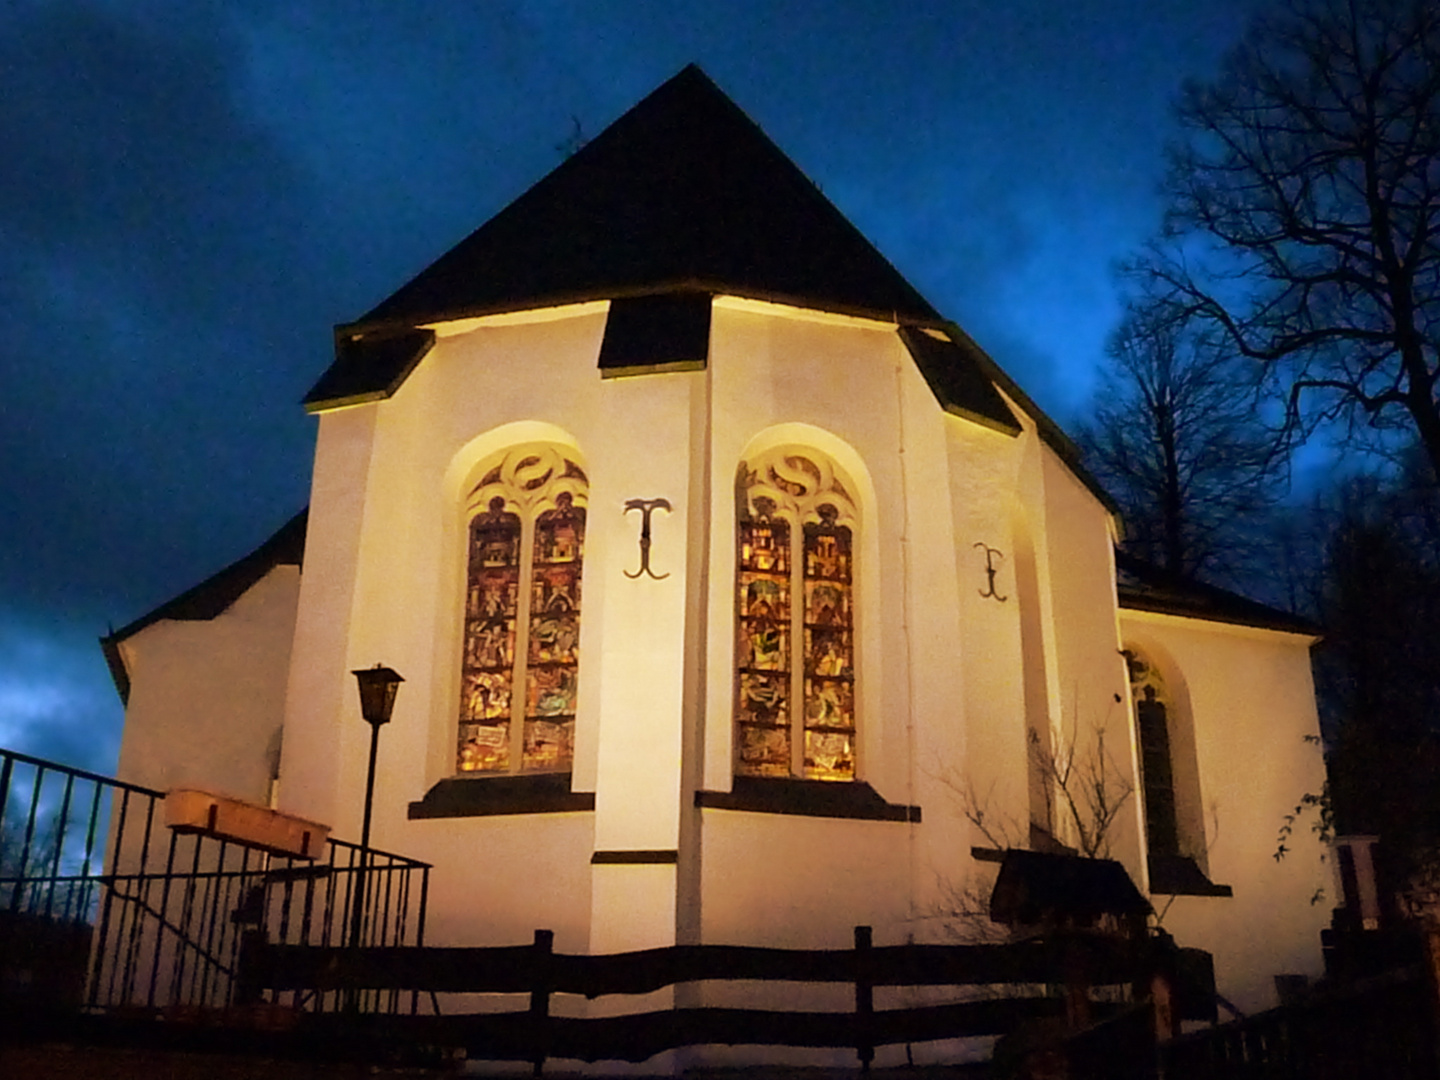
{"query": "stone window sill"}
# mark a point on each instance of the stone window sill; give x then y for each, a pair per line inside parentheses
(1179, 875)
(492, 796)
(806, 798)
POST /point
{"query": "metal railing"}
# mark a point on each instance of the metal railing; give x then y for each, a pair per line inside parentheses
(152, 919)
(1382, 1026)
(52, 835)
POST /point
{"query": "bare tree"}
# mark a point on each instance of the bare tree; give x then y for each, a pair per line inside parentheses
(1304, 213)
(1086, 791)
(1175, 437)
(1089, 790)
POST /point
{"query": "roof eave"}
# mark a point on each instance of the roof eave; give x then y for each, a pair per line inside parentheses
(1051, 434)
(926, 319)
(211, 597)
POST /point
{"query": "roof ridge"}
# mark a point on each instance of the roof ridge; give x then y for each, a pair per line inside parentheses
(684, 185)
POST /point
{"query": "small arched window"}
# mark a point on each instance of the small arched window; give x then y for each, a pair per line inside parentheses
(1153, 709)
(795, 617)
(522, 614)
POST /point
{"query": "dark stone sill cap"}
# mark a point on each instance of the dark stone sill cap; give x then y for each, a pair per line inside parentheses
(549, 793)
(1180, 875)
(1170, 875)
(493, 796)
(806, 798)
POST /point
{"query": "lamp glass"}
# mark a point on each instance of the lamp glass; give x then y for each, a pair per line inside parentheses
(377, 693)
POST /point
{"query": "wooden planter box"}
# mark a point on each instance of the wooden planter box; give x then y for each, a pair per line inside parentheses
(191, 811)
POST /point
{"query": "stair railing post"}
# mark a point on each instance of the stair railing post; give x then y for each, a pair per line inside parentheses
(864, 998)
(540, 998)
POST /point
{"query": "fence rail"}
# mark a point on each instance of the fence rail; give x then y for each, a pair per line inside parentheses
(108, 908)
(520, 968)
(1029, 974)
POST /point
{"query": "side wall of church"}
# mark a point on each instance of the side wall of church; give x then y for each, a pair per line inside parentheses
(1245, 706)
(392, 520)
(207, 695)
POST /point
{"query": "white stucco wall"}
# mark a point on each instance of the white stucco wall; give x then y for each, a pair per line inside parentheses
(207, 696)
(1250, 702)
(841, 386)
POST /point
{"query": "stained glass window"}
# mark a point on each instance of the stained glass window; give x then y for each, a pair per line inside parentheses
(794, 587)
(522, 615)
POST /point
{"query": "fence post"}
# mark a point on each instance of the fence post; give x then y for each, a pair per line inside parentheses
(540, 998)
(864, 998)
(250, 958)
(1432, 985)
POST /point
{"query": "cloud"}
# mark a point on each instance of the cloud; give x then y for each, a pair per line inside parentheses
(56, 699)
(127, 149)
(164, 299)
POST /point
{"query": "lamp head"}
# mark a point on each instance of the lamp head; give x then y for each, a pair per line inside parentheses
(377, 693)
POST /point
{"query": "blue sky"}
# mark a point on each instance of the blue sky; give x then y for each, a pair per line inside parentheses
(192, 194)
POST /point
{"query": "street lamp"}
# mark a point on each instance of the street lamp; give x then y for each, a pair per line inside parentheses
(377, 701)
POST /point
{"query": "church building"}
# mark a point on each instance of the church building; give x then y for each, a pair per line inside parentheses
(739, 596)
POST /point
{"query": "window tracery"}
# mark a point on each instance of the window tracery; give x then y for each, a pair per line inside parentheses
(795, 648)
(522, 614)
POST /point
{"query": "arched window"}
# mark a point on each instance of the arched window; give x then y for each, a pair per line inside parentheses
(795, 617)
(522, 614)
(1153, 708)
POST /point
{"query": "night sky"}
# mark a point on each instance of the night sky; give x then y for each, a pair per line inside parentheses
(193, 194)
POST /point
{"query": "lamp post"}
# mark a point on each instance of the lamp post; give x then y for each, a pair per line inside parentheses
(377, 701)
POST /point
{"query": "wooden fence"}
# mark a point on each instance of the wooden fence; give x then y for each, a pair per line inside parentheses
(1026, 980)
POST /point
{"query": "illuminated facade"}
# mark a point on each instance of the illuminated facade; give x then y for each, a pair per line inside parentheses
(723, 573)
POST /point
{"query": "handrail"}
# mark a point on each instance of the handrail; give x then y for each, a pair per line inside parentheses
(137, 914)
(79, 774)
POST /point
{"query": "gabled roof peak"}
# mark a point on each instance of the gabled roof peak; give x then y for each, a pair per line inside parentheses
(684, 191)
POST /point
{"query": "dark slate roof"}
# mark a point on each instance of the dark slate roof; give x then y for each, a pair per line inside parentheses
(680, 199)
(649, 334)
(213, 595)
(957, 380)
(1034, 887)
(1142, 586)
(369, 367)
(684, 190)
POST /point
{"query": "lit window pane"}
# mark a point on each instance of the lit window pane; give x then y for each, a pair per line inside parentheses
(553, 662)
(763, 647)
(764, 751)
(490, 620)
(829, 652)
(829, 755)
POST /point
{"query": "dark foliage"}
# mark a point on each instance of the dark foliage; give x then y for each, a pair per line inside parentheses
(1378, 669)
